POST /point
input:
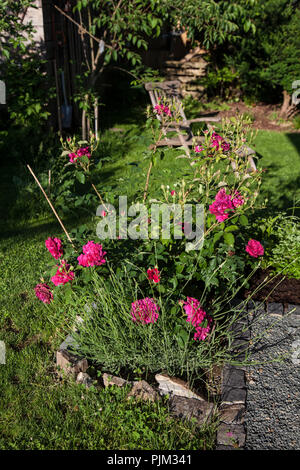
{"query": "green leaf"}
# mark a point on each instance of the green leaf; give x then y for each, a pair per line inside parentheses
(217, 236)
(231, 228)
(243, 220)
(229, 239)
(80, 177)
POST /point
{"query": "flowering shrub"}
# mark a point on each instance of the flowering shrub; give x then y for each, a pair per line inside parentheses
(43, 293)
(153, 275)
(93, 255)
(254, 248)
(137, 304)
(144, 311)
(63, 274)
(54, 245)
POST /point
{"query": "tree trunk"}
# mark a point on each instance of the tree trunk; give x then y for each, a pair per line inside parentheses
(288, 109)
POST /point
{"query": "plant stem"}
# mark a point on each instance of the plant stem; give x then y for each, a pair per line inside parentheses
(50, 204)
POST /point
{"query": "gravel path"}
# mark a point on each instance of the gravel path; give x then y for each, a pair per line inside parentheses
(272, 416)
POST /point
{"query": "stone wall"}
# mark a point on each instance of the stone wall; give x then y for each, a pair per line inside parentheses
(188, 70)
(35, 15)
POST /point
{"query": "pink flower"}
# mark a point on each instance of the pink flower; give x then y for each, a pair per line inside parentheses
(237, 199)
(225, 146)
(43, 293)
(103, 213)
(144, 311)
(217, 141)
(254, 248)
(160, 109)
(63, 274)
(93, 255)
(173, 193)
(221, 204)
(195, 314)
(83, 151)
(202, 332)
(198, 148)
(153, 275)
(72, 157)
(80, 153)
(54, 245)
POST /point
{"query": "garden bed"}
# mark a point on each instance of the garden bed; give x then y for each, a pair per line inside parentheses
(279, 288)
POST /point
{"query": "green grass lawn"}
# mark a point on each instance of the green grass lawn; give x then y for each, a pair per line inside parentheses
(40, 411)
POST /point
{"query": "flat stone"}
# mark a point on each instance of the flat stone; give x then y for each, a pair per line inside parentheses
(295, 308)
(143, 391)
(221, 447)
(232, 414)
(173, 386)
(293, 320)
(231, 435)
(233, 377)
(85, 379)
(70, 364)
(188, 408)
(234, 395)
(113, 380)
(68, 343)
(275, 308)
(256, 306)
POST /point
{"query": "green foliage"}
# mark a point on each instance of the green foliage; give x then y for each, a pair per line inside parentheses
(110, 338)
(264, 60)
(211, 22)
(29, 91)
(282, 239)
(14, 33)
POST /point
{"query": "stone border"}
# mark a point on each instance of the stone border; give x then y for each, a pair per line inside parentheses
(231, 434)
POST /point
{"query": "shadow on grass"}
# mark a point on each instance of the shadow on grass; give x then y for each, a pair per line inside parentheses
(294, 138)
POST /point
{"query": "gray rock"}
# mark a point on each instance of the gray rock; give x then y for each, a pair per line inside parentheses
(143, 391)
(232, 414)
(293, 320)
(113, 380)
(70, 364)
(233, 377)
(68, 344)
(221, 447)
(275, 308)
(234, 395)
(85, 379)
(173, 386)
(294, 308)
(188, 408)
(231, 435)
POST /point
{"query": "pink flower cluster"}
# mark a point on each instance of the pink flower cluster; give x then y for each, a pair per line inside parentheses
(144, 311)
(54, 245)
(63, 274)
(198, 148)
(255, 248)
(153, 275)
(43, 293)
(196, 315)
(93, 255)
(218, 142)
(162, 109)
(80, 153)
(225, 202)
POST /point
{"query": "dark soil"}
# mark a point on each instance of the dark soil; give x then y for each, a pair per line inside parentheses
(276, 288)
(265, 116)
